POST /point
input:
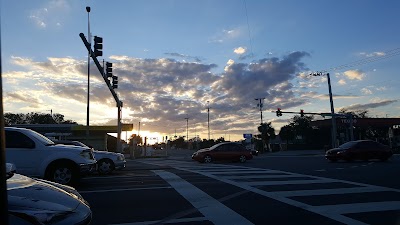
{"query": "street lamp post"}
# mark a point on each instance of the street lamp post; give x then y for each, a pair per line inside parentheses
(260, 105)
(332, 108)
(208, 119)
(88, 73)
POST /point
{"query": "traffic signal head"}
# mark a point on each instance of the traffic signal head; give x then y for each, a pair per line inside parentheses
(98, 46)
(114, 82)
(278, 112)
(301, 113)
(109, 69)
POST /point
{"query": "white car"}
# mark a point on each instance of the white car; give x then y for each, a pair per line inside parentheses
(35, 201)
(37, 156)
(107, 162)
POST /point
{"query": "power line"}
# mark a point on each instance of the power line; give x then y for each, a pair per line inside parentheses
(388, 54)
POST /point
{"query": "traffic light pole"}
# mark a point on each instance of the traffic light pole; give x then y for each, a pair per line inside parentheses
(114, 94)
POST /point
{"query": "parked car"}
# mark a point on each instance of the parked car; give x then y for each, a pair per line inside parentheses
(37, 156)
(107, 162)
(223, 151)
(36, 201)
(362, 150)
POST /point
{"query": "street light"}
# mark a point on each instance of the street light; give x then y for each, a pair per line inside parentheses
(332, 108)
(260, 105)
(208, 119)
(88, 74)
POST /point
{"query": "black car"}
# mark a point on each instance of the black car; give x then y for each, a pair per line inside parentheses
(359, 150)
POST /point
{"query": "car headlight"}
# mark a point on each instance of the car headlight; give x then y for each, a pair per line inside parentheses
(121, 157)
(87, 154)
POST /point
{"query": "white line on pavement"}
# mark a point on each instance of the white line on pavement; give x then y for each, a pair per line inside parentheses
(182, 220)
(211, 208)
(123, 189)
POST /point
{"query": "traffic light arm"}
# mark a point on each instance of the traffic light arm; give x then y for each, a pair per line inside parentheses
(101, 70)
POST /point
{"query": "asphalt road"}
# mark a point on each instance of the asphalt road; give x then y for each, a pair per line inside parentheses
(270, 189)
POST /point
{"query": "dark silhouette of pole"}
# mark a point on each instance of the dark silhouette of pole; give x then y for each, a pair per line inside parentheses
(88, 73)
(208, 119)
(187, 129)
(260, 105)
(3, 181)
(334, 130)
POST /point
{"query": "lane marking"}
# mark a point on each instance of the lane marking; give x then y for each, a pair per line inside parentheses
(211, 208)
(359, 207)
(124, 189)
(330, 191)
(235, 177)
(182, 220)
(285, 182)
(325, 210)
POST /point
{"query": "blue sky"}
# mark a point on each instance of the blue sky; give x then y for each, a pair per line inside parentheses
(174, 56)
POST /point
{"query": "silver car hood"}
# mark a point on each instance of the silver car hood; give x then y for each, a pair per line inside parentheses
(27, 192)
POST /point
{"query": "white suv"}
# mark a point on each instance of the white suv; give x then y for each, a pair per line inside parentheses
(35, 155)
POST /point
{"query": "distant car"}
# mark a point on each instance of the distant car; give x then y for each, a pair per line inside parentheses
(36, 201)
(359, 150)
(229, 151)
(35, 155)
(107, 162)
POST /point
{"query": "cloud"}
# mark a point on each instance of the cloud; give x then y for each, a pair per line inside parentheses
(52, 13)
(316, 95)
(342, 82)
(226, 34)
(239, 50)
(196, 59)
(373, 54)
(164, 91)
(354, 74)
(366, 91)
(367, 106)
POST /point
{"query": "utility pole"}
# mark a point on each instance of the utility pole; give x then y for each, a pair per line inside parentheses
(260, 105)
(88, 73)
(187, 129)
(139, 130)
(208, 119)
(334, 130)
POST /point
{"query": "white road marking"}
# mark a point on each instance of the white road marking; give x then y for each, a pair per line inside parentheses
(330, 191)
(211, 208)
(182, 220)
(124, 189)
(285, 182)
(235, 177)
(334, 212)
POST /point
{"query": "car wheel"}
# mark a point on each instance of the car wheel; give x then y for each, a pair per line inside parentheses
(63, 173)
(207, 159)
(105, 166)
(242, 159)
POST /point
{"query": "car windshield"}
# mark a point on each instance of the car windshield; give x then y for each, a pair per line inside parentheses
(43, 139)
(348, 145)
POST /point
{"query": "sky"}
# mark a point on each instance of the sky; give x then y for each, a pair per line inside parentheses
(176, 58)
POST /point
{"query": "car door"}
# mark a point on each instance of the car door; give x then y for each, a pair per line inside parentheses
(220, 153)
(21, 151)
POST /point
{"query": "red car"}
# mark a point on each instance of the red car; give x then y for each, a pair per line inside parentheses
(362, 150)
(229, 151)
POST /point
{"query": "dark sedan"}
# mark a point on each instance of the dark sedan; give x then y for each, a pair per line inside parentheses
(228, 151)
(359, 150)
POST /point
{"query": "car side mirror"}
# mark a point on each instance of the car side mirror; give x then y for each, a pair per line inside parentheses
(11, 169)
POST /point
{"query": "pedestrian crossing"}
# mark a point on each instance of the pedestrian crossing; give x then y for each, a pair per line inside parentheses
(303, 191)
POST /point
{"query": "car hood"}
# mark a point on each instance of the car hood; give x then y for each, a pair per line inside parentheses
(35, 194)
(203, 150)
(68, 147)
(335, 150)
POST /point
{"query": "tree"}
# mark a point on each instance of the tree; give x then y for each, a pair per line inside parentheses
(266, 133)
(35, 118)
(301, 127)
(356, 114)
(287, 133)
(135, 139)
